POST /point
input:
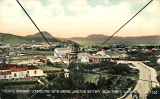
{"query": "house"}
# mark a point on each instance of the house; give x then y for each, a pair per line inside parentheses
(83, 57)
(18, 71)
(5, 75)
(5, 72)
(34, 71)
(4, 68)
(99, 58)
(14, 71)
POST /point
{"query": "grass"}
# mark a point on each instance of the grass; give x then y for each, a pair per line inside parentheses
(42, 67)
(33, 52)
(21, 87)
(93, 77)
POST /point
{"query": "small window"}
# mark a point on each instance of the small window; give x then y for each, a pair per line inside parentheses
(35, 72)
(27, 71)
(4, 76)
(15, 75)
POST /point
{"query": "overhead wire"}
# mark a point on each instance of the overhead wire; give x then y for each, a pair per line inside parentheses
(40, 31)
(45, 40)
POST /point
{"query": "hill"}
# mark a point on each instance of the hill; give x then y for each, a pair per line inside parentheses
(97, 39)
(46, 34)
(100, 37)
(37, 39)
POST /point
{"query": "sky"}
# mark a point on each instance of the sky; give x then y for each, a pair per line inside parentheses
(80, 18)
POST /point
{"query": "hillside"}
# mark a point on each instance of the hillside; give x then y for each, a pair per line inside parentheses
(15, 39)
(100, 37)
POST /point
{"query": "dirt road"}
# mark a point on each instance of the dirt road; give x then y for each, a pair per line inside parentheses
(147, 79)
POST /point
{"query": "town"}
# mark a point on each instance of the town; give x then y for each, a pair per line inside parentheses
(42, 64)
(79, 49)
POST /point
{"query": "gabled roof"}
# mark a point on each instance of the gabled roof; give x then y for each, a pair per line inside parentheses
(107, 56)
(17, 69)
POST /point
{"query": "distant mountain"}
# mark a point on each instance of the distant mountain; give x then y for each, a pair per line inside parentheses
(46, 34)
(98, 39)
(101, 37)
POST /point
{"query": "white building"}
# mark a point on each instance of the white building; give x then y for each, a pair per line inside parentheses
(19, 72)
(5, 75)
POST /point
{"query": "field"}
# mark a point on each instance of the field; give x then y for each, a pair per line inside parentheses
(47, 68)
(33, 52)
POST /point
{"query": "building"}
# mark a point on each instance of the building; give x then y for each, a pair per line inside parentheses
(99, 58)
(5, 75)
(14, 71)
(18, 72)
(83, 57)
(34, 71)
(114, 55)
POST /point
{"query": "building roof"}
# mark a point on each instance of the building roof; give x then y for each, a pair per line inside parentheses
(113, 54)
(5, 67)
(15, 68)
(107, 56)
(5, 73)
(103, 53)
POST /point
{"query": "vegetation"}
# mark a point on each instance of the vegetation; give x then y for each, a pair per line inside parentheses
(82, 77)
(31, 52)
(42, 67)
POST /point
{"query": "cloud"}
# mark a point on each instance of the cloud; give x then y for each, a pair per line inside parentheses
(78, 18)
